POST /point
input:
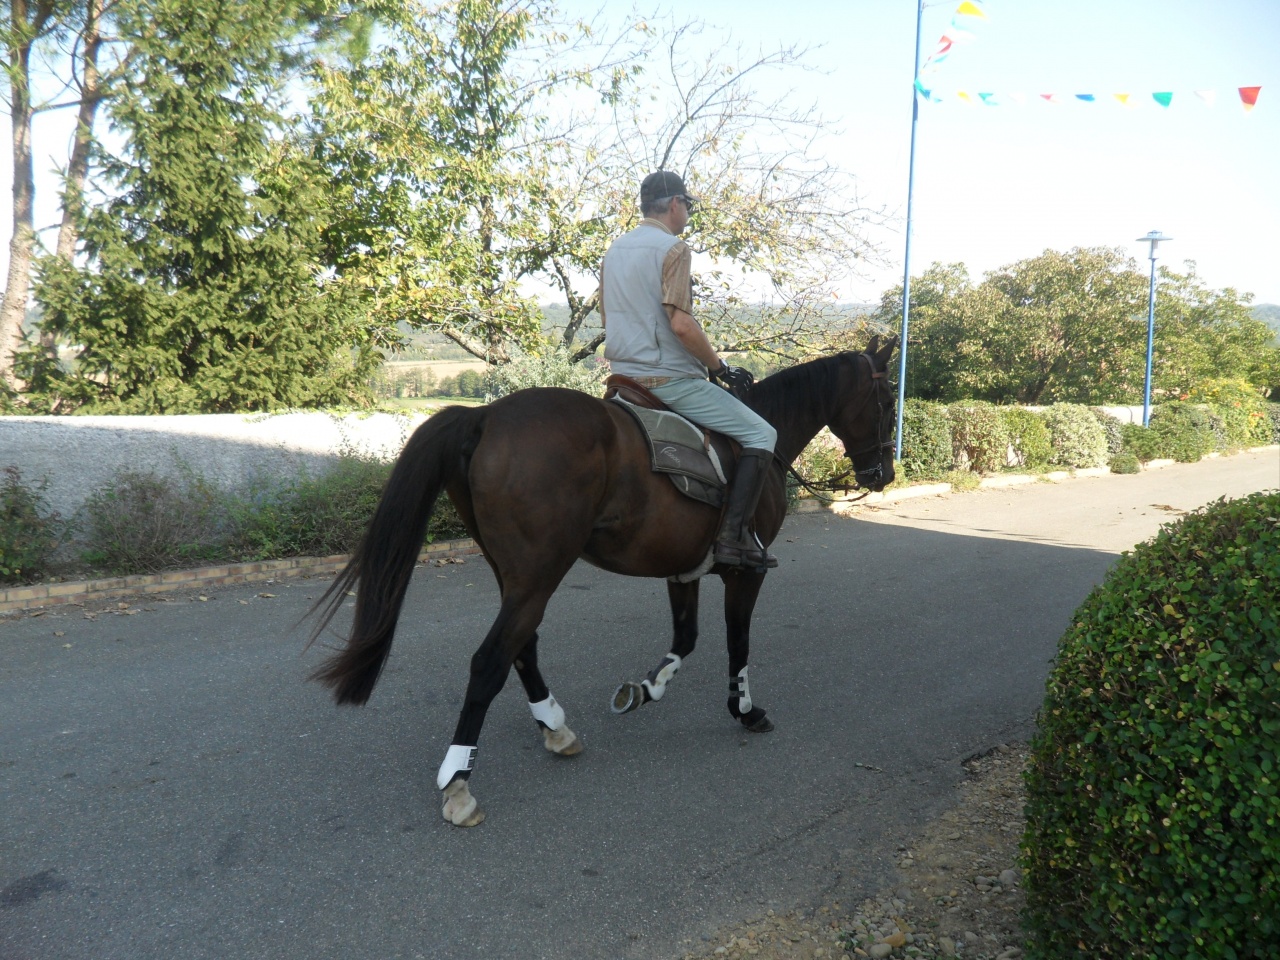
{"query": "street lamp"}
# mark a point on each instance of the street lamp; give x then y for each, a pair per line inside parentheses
(1153, 238)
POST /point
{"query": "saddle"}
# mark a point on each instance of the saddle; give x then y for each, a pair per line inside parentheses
(699, 462)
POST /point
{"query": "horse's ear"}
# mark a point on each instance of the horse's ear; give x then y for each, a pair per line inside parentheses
(874, 346)
(885, 352)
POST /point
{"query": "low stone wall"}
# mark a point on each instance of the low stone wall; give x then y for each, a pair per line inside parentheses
(78, 455)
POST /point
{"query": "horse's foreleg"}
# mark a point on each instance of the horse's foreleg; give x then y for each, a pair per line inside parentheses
(557, 737)
(684, 620)
(741, 588)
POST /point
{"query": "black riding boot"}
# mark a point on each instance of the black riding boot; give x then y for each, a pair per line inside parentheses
(735, 544)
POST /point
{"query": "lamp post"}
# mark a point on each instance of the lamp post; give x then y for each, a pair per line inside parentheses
(1153, 238)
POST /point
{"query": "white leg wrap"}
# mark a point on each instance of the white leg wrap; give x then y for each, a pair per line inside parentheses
(656, 682)
(458, 759)
(739, 687)
(548, 713)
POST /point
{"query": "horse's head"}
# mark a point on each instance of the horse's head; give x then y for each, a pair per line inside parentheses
(867, 414)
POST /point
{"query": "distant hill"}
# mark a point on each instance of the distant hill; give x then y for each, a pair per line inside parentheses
(1268, 313)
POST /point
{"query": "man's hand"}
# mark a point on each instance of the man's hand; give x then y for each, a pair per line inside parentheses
(735, 378)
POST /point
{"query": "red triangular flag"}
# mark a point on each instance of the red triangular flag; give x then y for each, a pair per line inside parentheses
(1249, 97)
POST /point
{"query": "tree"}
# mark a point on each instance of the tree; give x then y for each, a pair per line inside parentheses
(26, 24)
(84, 52)
(486, 146)
(1072, 327)
(200, 289)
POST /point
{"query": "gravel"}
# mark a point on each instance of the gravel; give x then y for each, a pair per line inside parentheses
(958, 893)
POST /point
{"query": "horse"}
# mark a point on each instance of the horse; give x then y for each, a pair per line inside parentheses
(546, 476)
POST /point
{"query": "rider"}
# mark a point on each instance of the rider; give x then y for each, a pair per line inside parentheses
(646, 306)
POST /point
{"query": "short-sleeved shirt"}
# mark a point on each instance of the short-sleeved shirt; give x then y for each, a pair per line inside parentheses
(646, 270)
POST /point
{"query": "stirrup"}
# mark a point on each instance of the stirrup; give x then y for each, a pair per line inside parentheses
(751, 554)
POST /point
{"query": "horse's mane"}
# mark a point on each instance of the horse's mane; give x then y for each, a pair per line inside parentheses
(815, 380)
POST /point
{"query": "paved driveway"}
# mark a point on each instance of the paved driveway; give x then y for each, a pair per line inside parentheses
(170, 787)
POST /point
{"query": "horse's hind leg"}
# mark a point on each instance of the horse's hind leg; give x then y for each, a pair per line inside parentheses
(556, 736)
(741, 588)
(684, 621)
(490, 665)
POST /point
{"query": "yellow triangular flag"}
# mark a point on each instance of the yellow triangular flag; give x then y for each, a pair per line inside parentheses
(961, 95)
(969, 9)
(1123, 98)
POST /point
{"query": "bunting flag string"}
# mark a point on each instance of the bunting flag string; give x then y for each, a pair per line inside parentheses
(1164, 99)
(958, 32)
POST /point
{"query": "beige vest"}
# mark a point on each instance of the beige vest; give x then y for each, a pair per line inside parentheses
(638, 338)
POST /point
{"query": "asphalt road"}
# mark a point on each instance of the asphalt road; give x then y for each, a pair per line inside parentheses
(170, 787)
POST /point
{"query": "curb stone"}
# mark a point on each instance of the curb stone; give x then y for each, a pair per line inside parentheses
(15, 599)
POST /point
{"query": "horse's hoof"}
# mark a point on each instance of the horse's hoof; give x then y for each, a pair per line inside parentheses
(628, 697)
(460, 807)
(563, 742)
(756, 721)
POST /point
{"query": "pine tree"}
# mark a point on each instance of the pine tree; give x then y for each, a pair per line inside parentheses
(199, 289)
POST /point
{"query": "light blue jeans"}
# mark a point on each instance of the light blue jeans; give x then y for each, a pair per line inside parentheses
(717, 409)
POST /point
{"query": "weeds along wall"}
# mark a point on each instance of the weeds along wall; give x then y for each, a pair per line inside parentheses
(79, 455)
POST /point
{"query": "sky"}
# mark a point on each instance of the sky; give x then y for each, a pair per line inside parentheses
(998, 184)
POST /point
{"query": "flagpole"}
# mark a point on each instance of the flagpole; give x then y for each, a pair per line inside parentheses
(906, 269)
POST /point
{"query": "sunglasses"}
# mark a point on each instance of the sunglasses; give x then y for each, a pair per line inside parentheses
(689, 203)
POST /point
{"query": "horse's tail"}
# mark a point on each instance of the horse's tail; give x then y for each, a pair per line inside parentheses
(384, 560)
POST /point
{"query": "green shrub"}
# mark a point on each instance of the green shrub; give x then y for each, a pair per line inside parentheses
(1076, 435)
(1273, 414)
(1111, 427)
(978, 438)
(1183, 431)
(29, 531)
(926, 440)
(1028, 437)
(141, 522)
(1153, 814)
(552, 369)
(1143, 443)
(1124, 462)
(1242, 409)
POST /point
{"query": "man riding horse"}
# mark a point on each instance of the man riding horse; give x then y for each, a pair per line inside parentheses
(651, 336)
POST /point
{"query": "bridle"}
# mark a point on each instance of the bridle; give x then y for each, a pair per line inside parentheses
(867, 478)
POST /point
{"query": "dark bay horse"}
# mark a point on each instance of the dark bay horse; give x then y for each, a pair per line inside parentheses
(546, 476)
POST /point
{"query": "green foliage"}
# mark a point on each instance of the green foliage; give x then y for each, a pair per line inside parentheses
(926, 440)
(1183, 431)
(1242, 413)
(1111, 427)
(1143, 443)
(1076, 435)
(199, 289)
(1028, 436)
(142, 522)
(1153, 814)
(1124, 461)
(29, 531)
(979, 440)
(1273, 414)
(1071, 327)
(553, 368)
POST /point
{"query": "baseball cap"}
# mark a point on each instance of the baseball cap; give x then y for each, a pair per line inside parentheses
(662, 184)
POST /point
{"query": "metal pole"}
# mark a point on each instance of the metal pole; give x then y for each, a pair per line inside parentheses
(1151, 338)
(906, 268)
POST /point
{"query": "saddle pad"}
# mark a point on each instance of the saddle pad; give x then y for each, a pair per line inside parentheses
(680, 449)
